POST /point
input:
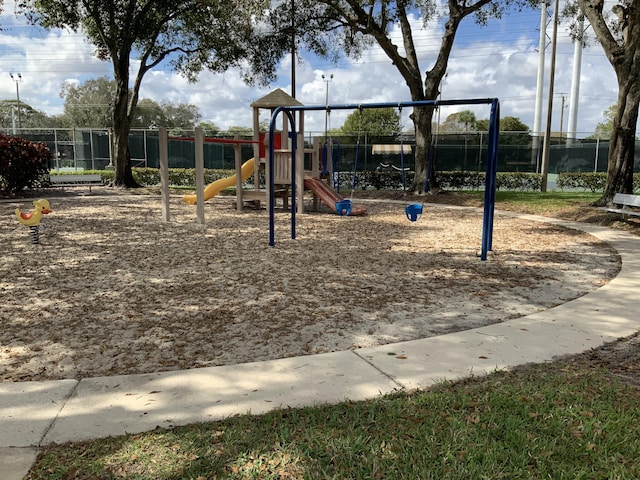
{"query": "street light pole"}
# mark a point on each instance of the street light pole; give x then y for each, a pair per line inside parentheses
(17, 78)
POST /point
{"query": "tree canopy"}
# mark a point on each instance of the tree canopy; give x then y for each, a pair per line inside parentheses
(29, 116)
(377, 122)
(507, 124)
(189, 36)
(355, 24)
(89, 105)
(604, 129)
(464, 121)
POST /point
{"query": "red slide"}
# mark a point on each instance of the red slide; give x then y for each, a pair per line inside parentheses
(329, 196)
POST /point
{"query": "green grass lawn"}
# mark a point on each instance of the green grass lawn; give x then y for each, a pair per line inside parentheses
(538, 202)
(562, 420)
(544, 202)
(536, 422)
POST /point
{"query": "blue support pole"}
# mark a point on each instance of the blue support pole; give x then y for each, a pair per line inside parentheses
(294, 143)
(271, 179)
(490, 180)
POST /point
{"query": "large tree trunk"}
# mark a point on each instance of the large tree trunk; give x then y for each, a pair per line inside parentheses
(623, 141)
(429, 90)
(422, 118)
(621, 44)
(121, 129)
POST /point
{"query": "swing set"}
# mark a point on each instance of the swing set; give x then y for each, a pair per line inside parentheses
(412, 211)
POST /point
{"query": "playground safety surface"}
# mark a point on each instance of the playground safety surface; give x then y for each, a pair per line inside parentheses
(112, 289)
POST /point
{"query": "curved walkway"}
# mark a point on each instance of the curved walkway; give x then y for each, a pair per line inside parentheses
(33, 414)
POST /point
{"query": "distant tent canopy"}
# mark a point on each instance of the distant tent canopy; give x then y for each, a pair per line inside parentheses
(390, 149)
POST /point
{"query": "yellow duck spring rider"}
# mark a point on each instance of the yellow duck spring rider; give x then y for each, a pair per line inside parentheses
(33, 218)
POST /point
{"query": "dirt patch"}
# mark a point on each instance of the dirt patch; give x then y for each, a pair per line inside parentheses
(112, 289)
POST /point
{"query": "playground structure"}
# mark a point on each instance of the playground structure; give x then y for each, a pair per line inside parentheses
(283, 175)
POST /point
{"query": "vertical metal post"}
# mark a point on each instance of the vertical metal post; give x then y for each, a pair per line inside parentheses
(91, 147)
(163, 140)
(490, 180)
(294, 201)
(57, 150)
(270, 180)
(146, 153)
(75, 156)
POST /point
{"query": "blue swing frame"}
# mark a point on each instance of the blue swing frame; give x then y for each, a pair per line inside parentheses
(492, 158)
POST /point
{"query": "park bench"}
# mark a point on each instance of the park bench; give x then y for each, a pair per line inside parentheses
(625, 204)
(92, 179)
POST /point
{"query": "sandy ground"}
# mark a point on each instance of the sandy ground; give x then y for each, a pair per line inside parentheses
(112, 289)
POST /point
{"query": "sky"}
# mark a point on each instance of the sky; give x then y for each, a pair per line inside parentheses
(496, 61)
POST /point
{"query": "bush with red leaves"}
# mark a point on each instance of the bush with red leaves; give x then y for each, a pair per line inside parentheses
(23, 164)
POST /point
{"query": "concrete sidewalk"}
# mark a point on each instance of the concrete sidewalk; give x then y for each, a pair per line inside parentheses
(34, 414)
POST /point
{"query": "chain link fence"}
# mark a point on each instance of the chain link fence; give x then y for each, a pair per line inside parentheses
(89, 149)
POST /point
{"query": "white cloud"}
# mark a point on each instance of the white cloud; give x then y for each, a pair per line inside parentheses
(501, 61)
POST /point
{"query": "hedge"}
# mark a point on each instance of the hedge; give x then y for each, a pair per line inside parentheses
(594, 182)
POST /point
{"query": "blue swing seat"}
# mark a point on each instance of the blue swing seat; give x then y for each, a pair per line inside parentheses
(413, 211)
(343, 207)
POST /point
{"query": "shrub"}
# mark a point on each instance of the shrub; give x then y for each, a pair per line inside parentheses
(23, 164)
(594, 182)
(512, 181)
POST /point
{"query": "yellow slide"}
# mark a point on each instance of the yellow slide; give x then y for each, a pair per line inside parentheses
(216, 187)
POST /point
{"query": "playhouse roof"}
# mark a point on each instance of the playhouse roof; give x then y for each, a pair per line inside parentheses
(277, 98)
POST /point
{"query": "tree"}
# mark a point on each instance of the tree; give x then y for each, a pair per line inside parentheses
(619, 36)
(468, 119)
(375, 122)
(190, 35)
(464, 121)
(209, 129)
(360, 22)
(148, 114)
(182, 115)
(518, 133)
(239, 131)
(29, 116)
(604, 129)
(89, 105)
(507, 124)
